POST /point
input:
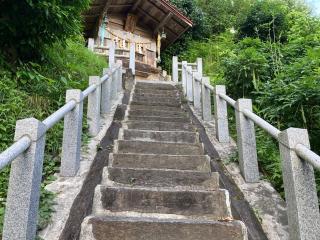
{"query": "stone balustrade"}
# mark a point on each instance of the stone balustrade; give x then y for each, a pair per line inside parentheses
(298, 161)
(27, 153)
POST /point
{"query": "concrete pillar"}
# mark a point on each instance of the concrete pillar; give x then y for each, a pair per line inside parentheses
(105, 93)
(70, 156)
(22, 202)
(94, 106)
(299, 186)
(132, 61)
(175, 72)
(91, 44)
(112, 53)
(246, 142)
(221, 115)
(189, 84)
(199, 66)
(119, 76)
(206, 100)
(113, 82)
(196, 91)
(184, 77)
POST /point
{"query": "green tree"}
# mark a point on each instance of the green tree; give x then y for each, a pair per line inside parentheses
(222, 15)
(26, 26)
(266, 20)
(247, 68)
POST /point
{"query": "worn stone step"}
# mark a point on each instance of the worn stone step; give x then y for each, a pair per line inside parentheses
(159, 113)
(142, 228)
(210, 204)
(156, 103)
(160, 119)
(156, 86)
(156, 96)
(160, 161)
(158, 126)
(158, 136)
(158, 93)
(156, 99)
(162, 178)
(144, 147)
(156, 108)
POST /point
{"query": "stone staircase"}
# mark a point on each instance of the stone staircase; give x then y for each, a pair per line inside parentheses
(158, 184)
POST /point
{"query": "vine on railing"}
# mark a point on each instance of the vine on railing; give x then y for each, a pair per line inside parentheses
(26, 154)
(298, 160)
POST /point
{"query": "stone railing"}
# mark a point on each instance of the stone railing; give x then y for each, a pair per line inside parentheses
(298, 161)
(27, 153)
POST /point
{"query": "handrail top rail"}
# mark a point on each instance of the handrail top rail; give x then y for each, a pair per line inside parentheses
(19, 146)
(301, 150)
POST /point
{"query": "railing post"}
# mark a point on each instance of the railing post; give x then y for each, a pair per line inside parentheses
(105, 92)
(189, 84)
(119, 75)
(175, 73)
(246, 142)
(199, 66)
(132, 61)
(113, 82)
(70, 156)
(24, 185)
(94, 106)
(221, 115)
(91, 44)
(196, 91)
(184, 77)
(112, 52)
(300, 188)
(206, 100)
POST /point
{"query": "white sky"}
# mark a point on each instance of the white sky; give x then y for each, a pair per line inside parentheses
(315, 5)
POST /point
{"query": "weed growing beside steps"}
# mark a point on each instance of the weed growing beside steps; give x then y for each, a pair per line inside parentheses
(37, 89)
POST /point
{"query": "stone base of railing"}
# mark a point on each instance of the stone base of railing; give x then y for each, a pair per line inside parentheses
(67, 189)
(263, 200)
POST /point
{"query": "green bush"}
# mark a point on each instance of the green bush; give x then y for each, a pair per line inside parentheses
(28, 26)
(37, 89)
(266, 20)
(273, 58)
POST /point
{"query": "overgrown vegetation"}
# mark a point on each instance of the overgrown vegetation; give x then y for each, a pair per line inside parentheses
(37, 89)
(42, 54)
(268, 51)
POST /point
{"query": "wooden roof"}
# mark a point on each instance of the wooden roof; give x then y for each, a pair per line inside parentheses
(153, 14)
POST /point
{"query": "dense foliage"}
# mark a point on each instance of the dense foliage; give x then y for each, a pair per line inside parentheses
(27, 26)
(37, 89)
(269, 51)
(41, 56)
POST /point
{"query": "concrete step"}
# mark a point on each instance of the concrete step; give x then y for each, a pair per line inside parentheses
(155, 98)
(160, 113)
(156, 103)
(160, 119)
(155, 86)
(156, 108)
(209, 204)
(138, 177)
(158, 126)
(153, 228)
(158, 136)
(154, 161)
(144, 147)
(156, 93)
